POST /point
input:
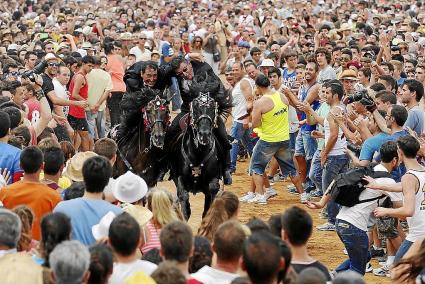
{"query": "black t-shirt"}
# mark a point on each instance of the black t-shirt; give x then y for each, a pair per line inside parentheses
(298, 267)
(47, 87)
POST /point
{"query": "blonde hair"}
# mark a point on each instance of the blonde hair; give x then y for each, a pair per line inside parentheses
(224, 207)
(160, 202)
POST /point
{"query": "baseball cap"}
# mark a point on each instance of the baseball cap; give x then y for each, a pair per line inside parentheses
(267, 63)
(244, 44)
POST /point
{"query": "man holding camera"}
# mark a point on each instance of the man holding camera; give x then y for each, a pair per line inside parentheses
(51, 66)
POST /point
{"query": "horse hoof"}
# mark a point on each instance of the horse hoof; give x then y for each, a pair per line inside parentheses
(227, 178)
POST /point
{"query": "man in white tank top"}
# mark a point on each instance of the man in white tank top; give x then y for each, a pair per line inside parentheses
(241, 93)
(332, 158)
(413, 188)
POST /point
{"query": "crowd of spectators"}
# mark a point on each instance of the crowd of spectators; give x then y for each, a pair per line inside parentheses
(318, 88)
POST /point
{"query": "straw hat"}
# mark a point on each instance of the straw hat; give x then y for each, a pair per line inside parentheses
(129, 188)
(74, 167)
(138, 212)
(345, 27)
(101, 230)
(348, 74)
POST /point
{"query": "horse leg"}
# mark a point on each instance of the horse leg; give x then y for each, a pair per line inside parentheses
(213, 188)
(183, 197)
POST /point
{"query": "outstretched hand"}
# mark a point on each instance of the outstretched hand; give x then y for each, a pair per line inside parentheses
(371, 182)
(314, 205)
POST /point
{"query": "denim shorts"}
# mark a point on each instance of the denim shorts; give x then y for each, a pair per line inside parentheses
(292, 140)
(264, 151)
(305, 145)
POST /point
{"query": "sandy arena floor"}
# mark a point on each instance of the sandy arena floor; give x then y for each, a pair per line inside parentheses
(325, 246)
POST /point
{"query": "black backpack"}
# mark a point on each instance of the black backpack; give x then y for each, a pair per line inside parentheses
(346, 188)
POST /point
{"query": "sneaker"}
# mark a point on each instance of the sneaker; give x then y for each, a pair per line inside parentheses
(316, 193)
(292, 189)
(382, 259)
(379, 252)
(326, 227)
(369, 268)
(254, 199)
(270, 193)
(382, 263)
(305, 197)
(261, 199)
(382, 271)
(323, 214)
(250, 195)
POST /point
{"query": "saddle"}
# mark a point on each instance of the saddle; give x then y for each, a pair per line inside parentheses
(184, 122)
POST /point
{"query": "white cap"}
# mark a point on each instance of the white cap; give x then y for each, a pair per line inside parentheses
(12, 46)
(267, 63)
(129, 188)
(101, 230)
(50, 56)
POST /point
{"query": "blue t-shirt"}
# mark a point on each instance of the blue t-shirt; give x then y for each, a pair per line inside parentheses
(401, 81)
(9, 158)
(302, 95)
(84, 214)
(401, 170)
(372, 145)
(288, 79)
(415, 120)
(166, 51)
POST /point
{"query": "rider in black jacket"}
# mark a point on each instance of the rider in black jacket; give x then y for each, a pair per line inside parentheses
(188, 74)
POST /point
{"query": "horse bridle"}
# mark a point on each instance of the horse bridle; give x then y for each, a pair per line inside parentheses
(156, 104)
(204, 100)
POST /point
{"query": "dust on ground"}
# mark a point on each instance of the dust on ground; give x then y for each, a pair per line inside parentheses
(324, 246)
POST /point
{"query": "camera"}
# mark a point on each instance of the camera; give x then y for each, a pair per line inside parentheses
(38, 69)
(362, 97)
(354, 148)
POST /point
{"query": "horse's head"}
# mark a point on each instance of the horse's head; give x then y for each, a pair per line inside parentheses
(203, 115)
(157, 119)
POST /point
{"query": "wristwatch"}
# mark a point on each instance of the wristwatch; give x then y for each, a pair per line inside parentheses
(39, 94)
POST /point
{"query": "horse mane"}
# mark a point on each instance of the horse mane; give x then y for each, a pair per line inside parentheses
(208, 82)
(132, 103)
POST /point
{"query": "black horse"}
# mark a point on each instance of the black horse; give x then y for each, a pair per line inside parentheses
(141, 141)
(195, 155)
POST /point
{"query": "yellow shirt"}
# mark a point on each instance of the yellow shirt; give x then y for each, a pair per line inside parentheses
(140, 277)
(99, 81)
(63, 182)
(274, 123)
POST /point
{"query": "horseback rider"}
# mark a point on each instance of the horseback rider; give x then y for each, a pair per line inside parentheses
(138, 78)
(143, 85)
(188, 73)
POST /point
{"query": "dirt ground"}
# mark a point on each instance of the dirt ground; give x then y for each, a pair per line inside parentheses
(325, 246)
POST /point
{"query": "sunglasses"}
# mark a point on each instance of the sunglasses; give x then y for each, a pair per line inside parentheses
(143, 38)
(184, 70)
(52, 64)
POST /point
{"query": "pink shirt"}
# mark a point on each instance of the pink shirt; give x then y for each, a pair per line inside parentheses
(153, 242)
(33, 110)
(116, 68)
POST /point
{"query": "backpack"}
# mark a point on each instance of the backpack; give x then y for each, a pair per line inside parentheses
(346, 188)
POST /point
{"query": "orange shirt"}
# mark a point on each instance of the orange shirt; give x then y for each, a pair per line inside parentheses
(116, 68)
(37, 196)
